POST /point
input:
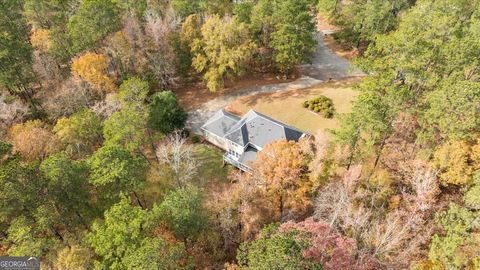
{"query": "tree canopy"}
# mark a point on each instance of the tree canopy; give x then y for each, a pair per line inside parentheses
(221, 51)
(101, 166)
(275, 250)
(165, 115)
(94, 20)
(183, 212)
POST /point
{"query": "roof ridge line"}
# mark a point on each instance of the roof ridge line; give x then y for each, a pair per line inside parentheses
(281, 124)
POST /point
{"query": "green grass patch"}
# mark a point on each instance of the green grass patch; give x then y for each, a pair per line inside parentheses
(211, 170)
(210, 173)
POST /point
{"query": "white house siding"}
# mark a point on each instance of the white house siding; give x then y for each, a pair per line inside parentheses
(235, 147)
(216, 140)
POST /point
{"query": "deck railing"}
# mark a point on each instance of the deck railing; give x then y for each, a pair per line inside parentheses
(230, 160)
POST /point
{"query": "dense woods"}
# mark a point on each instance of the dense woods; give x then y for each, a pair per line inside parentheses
(97, 169)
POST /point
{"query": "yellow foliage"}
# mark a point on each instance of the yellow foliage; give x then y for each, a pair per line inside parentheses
(475, 155)
(426, 265)
(190, 29)
(457, 161)
(74, 258)
(381, 178)
(378, 188)
(92, 68)
(40, 39)
(222, 50)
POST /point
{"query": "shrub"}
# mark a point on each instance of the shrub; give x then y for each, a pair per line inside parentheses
(195, 139)
(322, 105)
(328, 113)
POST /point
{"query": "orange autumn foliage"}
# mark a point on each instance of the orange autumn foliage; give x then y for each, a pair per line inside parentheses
(281, 167)
(32, 140)
(92, 68)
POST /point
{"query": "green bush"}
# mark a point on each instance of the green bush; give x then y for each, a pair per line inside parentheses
(322, 105)
(195, 139)
(328, 113)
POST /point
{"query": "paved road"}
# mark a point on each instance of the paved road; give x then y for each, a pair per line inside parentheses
(324, 65)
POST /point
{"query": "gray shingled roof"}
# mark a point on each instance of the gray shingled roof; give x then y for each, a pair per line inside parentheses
(249, 156)
(254, 128)
(221, 123)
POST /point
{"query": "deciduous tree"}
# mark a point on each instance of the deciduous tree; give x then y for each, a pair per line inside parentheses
(222, 50)
(128, 128)
(455, 161)
(75, 258)
(11, 111)
(329, 248)
(33, 140)
(40, 39)
(179, 157)
(80, 132)
(92, 68)
(133, 92)
(281, 166)
(70, 96)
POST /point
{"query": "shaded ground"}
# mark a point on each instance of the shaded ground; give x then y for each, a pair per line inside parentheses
(338, 49)
(325, 27)
(286, 106)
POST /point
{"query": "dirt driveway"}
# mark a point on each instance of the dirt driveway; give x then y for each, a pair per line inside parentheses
(325, 65)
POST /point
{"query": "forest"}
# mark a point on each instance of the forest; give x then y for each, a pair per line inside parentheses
(99, 170)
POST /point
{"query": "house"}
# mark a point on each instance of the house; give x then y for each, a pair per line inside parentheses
(242, 138)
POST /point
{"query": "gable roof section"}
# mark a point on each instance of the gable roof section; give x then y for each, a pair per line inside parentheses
(259, 130)
(221, 123)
